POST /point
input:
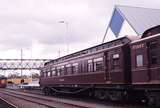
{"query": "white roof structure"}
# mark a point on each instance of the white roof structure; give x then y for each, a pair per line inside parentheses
(127, 20)
(140, 18)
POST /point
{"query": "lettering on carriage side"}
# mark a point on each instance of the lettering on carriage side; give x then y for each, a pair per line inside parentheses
(138, 46)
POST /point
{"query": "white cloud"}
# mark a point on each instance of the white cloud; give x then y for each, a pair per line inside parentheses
(34, 24)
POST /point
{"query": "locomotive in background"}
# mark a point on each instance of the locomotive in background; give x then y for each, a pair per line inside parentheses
(122, 69)
(3, 82)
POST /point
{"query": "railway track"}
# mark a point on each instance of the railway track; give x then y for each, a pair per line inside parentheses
(5, 104)
(50, 102)
(66, 102)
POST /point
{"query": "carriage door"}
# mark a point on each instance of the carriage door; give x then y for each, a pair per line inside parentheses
(106, 67)
(153, 62)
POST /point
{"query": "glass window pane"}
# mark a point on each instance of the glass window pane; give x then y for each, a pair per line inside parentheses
(62, 70)
(90, 65)
(49, 74)
(75, 68)
(153, 45)
(58, 71)
(53, 72)
(139, 60)
(98, 64)
(115, 56)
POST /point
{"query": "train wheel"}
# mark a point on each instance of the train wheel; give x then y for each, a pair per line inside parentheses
(100, 94)
(115, 95)
(44, 90)
(50, 92)
(153, 100)
(53, 93)
(106, 95)
(47, 91)
(91, 94)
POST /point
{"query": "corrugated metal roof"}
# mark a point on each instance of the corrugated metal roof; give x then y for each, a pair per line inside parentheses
(140, 19)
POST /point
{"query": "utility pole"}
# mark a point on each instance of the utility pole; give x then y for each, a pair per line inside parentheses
(21, 62)
(67, 34)
(59, 53)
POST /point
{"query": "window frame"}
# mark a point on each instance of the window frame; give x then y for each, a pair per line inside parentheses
(97, 61)
(62, 70)
(153, 52)
(90, 66)
(53, 70)
(58, 71)
(75, 68)
(141, 62)
(68, 69)
(115, 61)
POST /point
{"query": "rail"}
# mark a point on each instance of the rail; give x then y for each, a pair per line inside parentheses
(41, 100)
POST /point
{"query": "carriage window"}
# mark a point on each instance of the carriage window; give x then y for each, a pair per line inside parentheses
(43, 72)
(62, 70)
(154, 60)
(53, 72)
(68, 69)
(153, 52)
(153, 45)
(115, 61)
(115, 56)
(75, 68)
(58, 71)
(48, 74)
(139, 60)
(90, 65)
(98, 64)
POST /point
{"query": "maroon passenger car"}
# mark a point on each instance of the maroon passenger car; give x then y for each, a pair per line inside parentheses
(120, 69)
(103, 68)
(145, 59)
(145, 54)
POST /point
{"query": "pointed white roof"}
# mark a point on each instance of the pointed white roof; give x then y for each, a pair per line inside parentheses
(139, 18)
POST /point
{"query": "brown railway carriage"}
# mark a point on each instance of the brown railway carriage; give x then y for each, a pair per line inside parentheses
(125, 67)
(145, 59)
(92, 68)
(103, 64)
(102, 68)
(145, 55)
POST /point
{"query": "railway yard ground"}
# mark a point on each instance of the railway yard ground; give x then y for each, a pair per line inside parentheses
(36, 99)
(6, 104)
